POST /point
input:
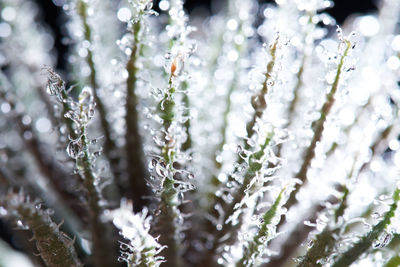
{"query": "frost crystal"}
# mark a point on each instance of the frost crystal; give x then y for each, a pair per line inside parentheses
(142, 248)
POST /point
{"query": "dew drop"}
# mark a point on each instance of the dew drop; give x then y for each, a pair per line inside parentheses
(74, 149)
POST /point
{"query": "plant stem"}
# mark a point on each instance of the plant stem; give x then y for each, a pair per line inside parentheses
(291, 244)
(102, 248)
(318, 129)
(186, 103)
(55, 247)
(393, 262)
(365, 243)
(258, 101)
(137, 172)
(229, 208)
(167, 221)
(109, 145)
(252, 251)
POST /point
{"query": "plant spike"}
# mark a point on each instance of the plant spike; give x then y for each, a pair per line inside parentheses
(227, 227)
(169, 221)
(253, 250)
(318, 125)
(78, 149)
(54, 247)
(137, 172)
(109, 144)
(366, 241)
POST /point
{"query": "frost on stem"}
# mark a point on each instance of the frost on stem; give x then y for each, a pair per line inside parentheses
(246, 185)
(255, 248)
(233, 51)
(54, 246)
(253, 169)
(169, 165)
(366, 241)
(344, 48)
(258, 101)
(142, 248)
(80, 113)
(109, 144)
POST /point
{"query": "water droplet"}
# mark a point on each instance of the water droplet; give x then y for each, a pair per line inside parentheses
(50, 212)
(74, 149)
(97, 154)
(21, 225)
(124, 246)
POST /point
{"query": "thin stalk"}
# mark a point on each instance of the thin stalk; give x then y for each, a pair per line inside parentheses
(55, 247)
(311, 257)
(322, 247)
(137, 172)
(109, 145)
(309, 44)
(232, 87)
(291, 244)
(166, 223)
(218, 165)
(324, 242)
(229, 208)
(252, 251)
(365, 243)
(102, 248)
(104, 254)
(258, 101)
(293, 104)
(299, 84)
(259, 104)
(393, 262)
(318, 127)
(186, 104)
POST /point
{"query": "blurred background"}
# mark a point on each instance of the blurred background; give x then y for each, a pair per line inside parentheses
(52, 15)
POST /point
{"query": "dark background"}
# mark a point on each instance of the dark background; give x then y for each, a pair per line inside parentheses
(53, 16)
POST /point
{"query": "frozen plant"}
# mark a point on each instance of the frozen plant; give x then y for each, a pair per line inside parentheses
(261, 135)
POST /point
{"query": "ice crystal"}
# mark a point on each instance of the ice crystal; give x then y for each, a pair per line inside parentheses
(252, 136)
(142, 248)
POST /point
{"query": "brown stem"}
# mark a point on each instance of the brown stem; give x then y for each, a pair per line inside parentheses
(137, 172)
(318, 130)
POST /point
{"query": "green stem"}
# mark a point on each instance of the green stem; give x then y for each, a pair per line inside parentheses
(393, 262)
(322, 247)
(55, 247)
(258, 101)
(318, 129)
(109, 145)
(102, 247)
(253, 250)
(228, 228)
(167, 222)
(365, 243)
